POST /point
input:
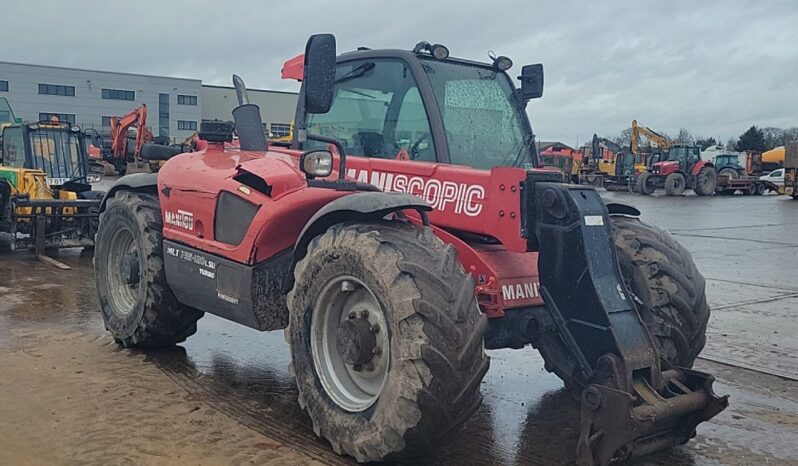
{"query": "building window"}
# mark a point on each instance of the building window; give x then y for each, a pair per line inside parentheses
(186, 100)
(163, 115)
(118, 94)
(3, 86)
(57, 89)
(280, 129)
(106, 121)
(62, 117)
(186, 125)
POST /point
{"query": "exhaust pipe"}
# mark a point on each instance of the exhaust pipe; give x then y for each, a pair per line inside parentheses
(249, 125)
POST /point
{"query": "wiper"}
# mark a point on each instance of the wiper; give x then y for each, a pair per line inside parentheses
(358, 93)
(524, 148)
(356, 72)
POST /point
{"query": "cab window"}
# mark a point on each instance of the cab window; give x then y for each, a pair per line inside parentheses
(13, 147)
(377, 111)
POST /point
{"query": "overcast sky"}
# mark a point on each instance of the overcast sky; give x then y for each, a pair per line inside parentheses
(714, 67)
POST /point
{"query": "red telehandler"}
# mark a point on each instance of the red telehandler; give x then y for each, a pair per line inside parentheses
(405, 229)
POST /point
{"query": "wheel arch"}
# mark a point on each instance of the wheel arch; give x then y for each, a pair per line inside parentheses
(139, 182)
(701, 164)
(354, 207)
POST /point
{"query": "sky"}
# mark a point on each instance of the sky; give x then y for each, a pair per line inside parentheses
(713, 67)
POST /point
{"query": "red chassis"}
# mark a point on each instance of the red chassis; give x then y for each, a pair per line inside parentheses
(481, 202)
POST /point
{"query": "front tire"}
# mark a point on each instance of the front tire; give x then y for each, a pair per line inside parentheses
(668, 290)
(430, 341)
(675, 184)
(646, 184)
(136, 303)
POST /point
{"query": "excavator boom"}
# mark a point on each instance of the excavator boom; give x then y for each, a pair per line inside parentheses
(660, 140)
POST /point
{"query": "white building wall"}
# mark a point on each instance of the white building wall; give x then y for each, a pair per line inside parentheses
(276, 107)
(88, 106)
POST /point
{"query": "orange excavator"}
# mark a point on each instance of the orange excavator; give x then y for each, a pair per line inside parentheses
(122, 155)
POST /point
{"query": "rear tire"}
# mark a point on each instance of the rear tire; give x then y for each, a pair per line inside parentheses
(667, 288)
(136, 303)
(675, 184)
(760, 189)
(435, 353)
(730, 172)
(706, 181)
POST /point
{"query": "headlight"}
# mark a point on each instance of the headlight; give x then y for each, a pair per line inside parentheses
(316, 163)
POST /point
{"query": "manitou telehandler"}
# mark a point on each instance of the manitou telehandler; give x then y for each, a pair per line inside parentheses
(405, 229)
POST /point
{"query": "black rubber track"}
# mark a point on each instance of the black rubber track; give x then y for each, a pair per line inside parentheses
(157, 319)
(669, 292)
(437, 357)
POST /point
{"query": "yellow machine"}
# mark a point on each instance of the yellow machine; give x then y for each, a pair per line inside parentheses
(662, 142)
(46, 200)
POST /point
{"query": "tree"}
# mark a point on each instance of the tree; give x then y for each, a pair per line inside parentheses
(774, 137)
(790, 134)
(624, 139)
(704, 143)
(684, 137)
(752, 139)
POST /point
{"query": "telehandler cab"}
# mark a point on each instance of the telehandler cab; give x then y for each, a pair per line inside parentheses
(46, 196)
(406, 228)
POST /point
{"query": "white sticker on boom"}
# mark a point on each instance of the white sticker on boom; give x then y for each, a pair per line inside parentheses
(594, 220)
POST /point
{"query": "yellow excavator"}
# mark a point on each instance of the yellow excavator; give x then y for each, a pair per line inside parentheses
(46, 200)
(641, 158)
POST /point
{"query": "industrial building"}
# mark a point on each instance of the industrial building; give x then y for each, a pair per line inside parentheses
(88, 98)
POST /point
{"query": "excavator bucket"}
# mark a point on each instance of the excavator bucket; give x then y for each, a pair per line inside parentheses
(630, 406)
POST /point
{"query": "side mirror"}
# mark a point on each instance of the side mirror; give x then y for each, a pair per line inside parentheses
(316, 163)
(319, 73)
(531, 81)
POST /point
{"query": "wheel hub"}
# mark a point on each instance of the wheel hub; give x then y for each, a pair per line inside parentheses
(130, 268)
(350, 343)
(356, 342)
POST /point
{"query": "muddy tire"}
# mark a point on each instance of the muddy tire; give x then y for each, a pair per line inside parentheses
(669, 292)
(432, 337)
(706, 181)
(646, 184)
(136, 304)
(675, 184)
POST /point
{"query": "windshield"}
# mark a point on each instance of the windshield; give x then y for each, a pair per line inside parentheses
(484, 124)
(58, 152)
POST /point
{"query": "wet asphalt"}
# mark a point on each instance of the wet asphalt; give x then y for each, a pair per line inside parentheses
(746, 246)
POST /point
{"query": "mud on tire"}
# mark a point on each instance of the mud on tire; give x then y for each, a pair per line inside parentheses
(437, 358)
(706, 181)
(669, 292)
(136, 304)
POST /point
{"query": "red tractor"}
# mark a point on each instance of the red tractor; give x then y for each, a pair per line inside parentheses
(405, 229)
(680, 169)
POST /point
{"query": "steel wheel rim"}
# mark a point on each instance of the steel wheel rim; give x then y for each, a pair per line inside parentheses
(351, 389)
(122, 293)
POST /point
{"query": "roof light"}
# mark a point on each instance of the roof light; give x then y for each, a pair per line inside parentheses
(502, 63)
(440, 52)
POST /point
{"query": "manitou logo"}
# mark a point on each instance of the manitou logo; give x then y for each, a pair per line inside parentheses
(441, 195)
(181, 219)
(520, 291)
